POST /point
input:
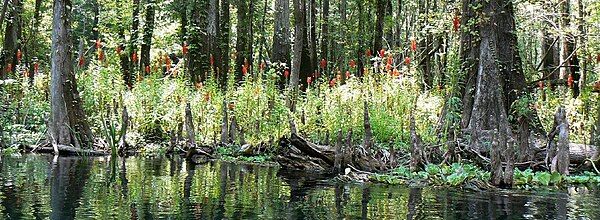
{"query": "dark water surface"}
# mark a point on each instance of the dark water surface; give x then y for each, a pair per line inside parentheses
(43, 187)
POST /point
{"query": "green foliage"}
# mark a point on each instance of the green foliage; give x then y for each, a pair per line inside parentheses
(456, 174)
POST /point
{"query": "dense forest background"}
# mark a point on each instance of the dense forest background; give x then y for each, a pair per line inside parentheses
(391, 77)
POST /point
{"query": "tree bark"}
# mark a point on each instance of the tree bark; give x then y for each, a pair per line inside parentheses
(198, 60)
(566, 39)
(244, 39)
(133, 42)
(12, 37)
(147, 35)
(224, 32)
(377, 44)
(281, 38)
(325, 31)
(68, 125)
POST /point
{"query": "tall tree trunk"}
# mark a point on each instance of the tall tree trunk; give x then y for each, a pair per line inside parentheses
(147, 36)
(198, 62)
(380, 13)
(12, 37)
(313, 37)
(68, 125)
(133, 42)
(244, 39)
(566, 39)
(281, 38)
(325, 30)
(497, 82)
(224, 26)
(212, 26)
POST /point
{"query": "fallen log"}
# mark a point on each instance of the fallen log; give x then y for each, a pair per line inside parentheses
(64, 150)
(322, 152)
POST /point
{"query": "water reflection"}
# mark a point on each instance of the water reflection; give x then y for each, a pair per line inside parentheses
(42, 187)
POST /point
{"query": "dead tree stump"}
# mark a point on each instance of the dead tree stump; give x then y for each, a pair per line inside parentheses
(558, 152)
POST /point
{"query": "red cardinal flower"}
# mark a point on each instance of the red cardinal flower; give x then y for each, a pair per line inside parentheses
(168, 63)
(36, 68)
(570, 81)
(81, 61)
(98, 44)
(413, 44)
(456, 23)
(286, 73)
(185, 48)
(368, 53)
(352, 64)
(206, 97)
(382, 53)
(541, 85)
(134, 57)
(147, 69)
(395, 72)
(119, 50)
(100, 54)
(9, 68)
(407, 60)
(262, 66)
(309, 80)
(323, 63)
(390, 60)
(388, 66)
(212, 60)
(244, 70)
(19, 55)
(332, 82)
(348, 75)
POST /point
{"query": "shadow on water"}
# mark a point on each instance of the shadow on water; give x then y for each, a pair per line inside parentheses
(42, 187)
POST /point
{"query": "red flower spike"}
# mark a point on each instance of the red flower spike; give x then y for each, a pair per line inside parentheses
(98, 44)
(541, 85)
(286, 73)
(413, 44)
(168, 63)
(212, 60)
(19, 55)
(407, 60)
(323, 63)
(36, 68)
(309, 80)
(456, 23)
(244, 70)
(9, 68)
(332, 82)
(348, 75)
(352, 64)
(395, 72)
(382, 53)
(100, 54)
(368, 53)
(388, 66)
(206, 97)
(390, 60)
(134, 57)
(119, 50)
(148, 69)
(185, 48)
(570, 81)
(262, 66)
(81, 61)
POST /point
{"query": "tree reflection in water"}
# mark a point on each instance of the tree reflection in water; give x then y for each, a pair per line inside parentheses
(41, 187)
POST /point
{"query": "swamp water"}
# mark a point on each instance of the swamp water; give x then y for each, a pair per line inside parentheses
(43, 187)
